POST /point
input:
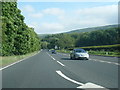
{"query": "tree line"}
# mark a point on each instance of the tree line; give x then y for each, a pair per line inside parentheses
(17, 37)
(93, 38)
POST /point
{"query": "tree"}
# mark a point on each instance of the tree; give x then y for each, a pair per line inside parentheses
(17, 37)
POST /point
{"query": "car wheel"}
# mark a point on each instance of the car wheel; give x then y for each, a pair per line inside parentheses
(74, 57)
(71, 57)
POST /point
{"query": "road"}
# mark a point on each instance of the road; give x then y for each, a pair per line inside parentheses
(46, 70)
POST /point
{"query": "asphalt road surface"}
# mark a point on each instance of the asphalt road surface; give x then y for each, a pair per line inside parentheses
(46, 70)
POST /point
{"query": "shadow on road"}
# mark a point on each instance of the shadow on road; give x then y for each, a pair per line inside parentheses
(68, 59)
(65, 59)
(72, 59)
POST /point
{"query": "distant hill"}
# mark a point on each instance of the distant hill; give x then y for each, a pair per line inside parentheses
(43, 35)
(92, 29)
(84, 30)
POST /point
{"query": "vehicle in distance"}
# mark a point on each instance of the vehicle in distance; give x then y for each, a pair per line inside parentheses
(53, 51)
(79, 54)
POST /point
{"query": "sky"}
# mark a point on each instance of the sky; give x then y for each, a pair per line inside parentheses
(57, 17)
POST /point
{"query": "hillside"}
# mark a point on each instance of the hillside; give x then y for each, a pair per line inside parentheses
(92, 29)
(84, 30)
(43, 35)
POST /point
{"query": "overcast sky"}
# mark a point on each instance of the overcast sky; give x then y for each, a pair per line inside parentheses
(57, 17)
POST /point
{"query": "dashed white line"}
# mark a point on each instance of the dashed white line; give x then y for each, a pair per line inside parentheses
(60, 63)
(105, 61)
(51, 56)
(116, 63)
(97, 60)
(57, 61)
(101, 61)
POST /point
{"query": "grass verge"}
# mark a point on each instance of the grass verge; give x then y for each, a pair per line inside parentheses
(6, 60)
(63, 51)
(105, 53)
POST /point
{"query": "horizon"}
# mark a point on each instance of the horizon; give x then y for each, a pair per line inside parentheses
(60, 17)
(80, 29)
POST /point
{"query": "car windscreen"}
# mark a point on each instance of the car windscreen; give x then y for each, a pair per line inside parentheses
(53, 50)
(80, 51)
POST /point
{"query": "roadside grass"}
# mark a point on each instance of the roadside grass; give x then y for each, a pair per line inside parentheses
(102, 46)
(63, 51)
(101, 52)
(105, 53)
(6, 60)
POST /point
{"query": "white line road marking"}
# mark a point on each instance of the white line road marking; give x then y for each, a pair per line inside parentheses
(116, 63)
(97, 60)
(87, 85)
(55, 59)
(91, 85)
(51, 56)
(101, 61)
(17, 62)
(69, 79)
(105, 61)
(60, 63)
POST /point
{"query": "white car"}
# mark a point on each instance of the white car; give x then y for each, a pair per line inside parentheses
(79, 54)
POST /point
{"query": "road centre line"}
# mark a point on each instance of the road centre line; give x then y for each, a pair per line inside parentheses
(17, 62)
(60, 63)
(57, 61)
(86, 85)
(51, 56)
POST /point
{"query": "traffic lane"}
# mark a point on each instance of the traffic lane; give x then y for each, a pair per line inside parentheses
(104, 74)
(107, 59)
(38, 71)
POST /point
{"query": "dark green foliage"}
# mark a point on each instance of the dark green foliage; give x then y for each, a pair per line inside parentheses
(94, 38)
(62, 41)
(17, 37)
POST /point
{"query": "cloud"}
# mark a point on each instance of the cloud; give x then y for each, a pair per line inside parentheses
(51, 27)
(74, 19)
(53, 11)
(36, 15)
(28, 9)
(103, 11)
(68, 0)
(90, 17)
(45, 27)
